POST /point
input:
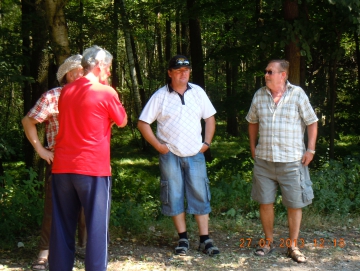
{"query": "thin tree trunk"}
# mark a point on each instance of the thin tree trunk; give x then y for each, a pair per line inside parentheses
(292, 50)
(159, 44)
(168, 46)
(184, 39)
(138, 73)
(178, 33)
(333, 89)
(357, 49)
(130, 56)
(35, 38)
(259, 24)
(115, 38)
(196, 46)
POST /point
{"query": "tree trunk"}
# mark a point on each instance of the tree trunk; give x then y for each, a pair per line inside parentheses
(184, 39)
(115, 38)
(357, 49)
(292, 50)
(196, 46)
(35, 38)
(138, 74)
(197, 57)
(130, 56)
(178, 33)
(59, 36)
(333, 89)
(158, 33)
(167, 43)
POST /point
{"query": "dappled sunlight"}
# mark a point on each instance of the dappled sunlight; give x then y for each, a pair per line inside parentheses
(135, 162)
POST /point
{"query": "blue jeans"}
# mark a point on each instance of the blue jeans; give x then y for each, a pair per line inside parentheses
(182, 176)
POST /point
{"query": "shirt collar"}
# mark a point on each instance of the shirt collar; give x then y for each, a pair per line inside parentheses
(170, 89)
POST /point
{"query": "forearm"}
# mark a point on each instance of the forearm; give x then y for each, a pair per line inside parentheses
(312, 135)
(31, 133)
(29, 125)
(210, 125)
(148, 134)
(253, 134)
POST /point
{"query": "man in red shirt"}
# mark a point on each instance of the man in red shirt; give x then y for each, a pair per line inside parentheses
(81, 169)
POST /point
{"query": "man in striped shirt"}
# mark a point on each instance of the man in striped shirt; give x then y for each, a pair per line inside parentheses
(46, 110)
(279, 113)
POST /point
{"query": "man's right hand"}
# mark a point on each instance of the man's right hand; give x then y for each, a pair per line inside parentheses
(162, 148)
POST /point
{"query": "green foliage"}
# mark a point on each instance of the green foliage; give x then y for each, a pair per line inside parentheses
(135, 200)
(230, 180)
(20, 206)
(336, 187)
(5, 149)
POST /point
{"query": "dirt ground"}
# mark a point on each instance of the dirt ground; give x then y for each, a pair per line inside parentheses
(338, 249)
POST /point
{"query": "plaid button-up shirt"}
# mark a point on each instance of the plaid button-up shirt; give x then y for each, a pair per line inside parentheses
(282, 125)
(46, 110)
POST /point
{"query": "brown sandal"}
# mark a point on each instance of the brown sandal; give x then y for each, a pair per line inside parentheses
(295, 254)
(40, 264)
(264, 251)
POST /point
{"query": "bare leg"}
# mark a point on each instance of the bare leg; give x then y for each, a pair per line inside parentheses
(179, 222)
(294, 220)
(43, 254)
(267, 221)
(203, 224)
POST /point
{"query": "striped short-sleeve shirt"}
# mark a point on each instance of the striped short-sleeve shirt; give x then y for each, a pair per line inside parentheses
(282, 125)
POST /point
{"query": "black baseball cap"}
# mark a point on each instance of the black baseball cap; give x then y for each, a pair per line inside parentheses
(179, 61)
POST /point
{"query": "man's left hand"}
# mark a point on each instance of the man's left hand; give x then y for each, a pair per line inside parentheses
(307, 158)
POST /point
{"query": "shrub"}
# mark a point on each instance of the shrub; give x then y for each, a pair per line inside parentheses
(337, 186)
(21, 209)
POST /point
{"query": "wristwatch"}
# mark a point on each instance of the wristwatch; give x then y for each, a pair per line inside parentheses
(311, 151)
(207, 144)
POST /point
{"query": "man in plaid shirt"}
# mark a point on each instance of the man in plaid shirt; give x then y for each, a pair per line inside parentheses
(279, 113)
(46, 110)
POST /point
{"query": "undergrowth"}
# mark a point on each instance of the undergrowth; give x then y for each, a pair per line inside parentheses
(136, 206)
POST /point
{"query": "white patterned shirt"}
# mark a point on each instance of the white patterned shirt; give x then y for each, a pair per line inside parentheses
(281, 126)
(179, 118)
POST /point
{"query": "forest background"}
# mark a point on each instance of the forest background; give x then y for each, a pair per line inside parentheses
(229, 44)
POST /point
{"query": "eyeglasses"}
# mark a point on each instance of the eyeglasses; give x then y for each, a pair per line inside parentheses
(178, 71)
(182, 62)
(270, 72)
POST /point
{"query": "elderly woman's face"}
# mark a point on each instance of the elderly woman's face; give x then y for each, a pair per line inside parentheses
(74, 74)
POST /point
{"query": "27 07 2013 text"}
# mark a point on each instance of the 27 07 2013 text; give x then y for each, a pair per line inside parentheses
(287, 242)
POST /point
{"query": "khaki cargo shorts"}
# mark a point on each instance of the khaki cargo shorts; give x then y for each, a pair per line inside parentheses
(293, 179)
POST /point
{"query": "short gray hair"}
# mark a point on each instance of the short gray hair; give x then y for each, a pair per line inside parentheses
(95, 56)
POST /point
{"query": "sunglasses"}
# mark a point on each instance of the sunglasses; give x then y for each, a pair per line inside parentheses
(270, 72)
(182, 62)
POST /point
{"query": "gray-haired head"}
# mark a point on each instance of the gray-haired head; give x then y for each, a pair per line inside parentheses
(284, 65)
(95, 56)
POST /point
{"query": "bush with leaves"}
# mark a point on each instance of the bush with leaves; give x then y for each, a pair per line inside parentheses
(337, 187)
(231, 180)
(20, 206)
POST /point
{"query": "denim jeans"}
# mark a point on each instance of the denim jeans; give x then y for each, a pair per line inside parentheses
(184, 177)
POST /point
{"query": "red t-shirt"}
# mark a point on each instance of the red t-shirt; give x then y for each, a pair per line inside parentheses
(86, 110)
